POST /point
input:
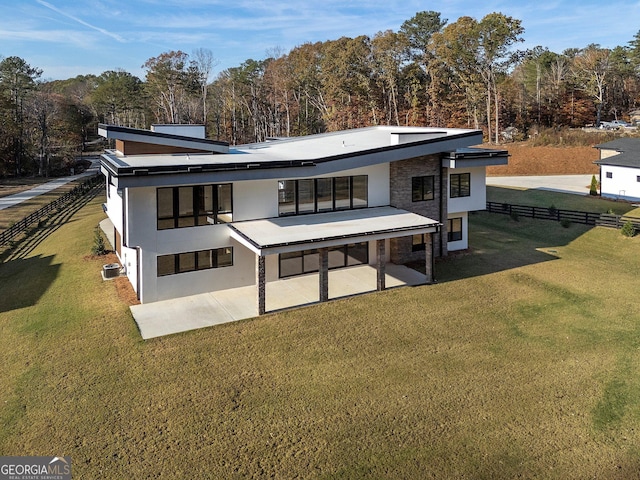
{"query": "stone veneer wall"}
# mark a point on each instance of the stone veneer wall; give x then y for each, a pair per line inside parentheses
(401, 173)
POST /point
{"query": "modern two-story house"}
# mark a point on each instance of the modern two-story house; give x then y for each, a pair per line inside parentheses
(620, 169)
(192, 215)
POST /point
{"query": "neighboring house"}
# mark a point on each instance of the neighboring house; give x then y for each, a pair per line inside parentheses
(620, 169)
(192, 215)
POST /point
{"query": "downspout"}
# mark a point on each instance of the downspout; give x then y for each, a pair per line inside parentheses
(442, 171)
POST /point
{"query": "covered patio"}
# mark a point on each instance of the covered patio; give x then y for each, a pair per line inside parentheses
(198, 311)
(320, 232)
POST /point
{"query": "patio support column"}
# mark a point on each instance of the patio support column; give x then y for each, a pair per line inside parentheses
(261, 282)
(324, 274)
(381, 259)
(428, 255)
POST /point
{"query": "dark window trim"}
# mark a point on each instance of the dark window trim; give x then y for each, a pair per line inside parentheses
(418, 186)
(345, 262)
(176, 261)
(456, 185)
(454, 235)
(195, 206)
(418, 247)
(333, 195)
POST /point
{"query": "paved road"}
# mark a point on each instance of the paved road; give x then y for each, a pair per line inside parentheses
(11, 200)
(577, 184)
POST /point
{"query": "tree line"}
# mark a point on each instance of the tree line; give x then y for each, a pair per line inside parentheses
(468, 73)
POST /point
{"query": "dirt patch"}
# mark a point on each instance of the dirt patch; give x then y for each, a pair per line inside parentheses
(124, 289)
(528, 160)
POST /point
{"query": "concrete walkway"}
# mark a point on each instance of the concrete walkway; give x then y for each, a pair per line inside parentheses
(197, 311)
(11, 200)
(576, 184)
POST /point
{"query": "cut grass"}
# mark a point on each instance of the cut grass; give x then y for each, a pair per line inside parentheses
(522, 362)
(565, 201)
(11, 215)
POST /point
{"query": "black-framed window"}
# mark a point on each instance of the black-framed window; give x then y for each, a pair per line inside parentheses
(422, 188)
(637, 178)
(308, 261)
(192, 261)
(460, 185)
(454, 229)
(315, 195)
(190, 206)
(419, 242)
(609, 174)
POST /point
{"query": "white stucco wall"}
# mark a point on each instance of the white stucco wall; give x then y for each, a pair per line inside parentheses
(252, 199)
(478, 198)
(623, 183)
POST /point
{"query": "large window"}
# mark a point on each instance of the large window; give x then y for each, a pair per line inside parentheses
(422, 188)
(308, 261)
(460, 185)
(314, 195)
(192, 261)
(454, 229)
(190, 206)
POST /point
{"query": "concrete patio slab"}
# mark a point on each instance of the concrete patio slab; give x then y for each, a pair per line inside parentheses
(198, 311)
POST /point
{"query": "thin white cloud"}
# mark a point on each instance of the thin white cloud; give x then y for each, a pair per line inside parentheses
(115, 36)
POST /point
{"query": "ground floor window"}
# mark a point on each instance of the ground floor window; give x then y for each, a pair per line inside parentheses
(191, 261)
(454, 229)
(308, 261)
(419, 242)
(609, 174)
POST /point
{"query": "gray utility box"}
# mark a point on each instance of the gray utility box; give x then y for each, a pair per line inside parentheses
(111, 270)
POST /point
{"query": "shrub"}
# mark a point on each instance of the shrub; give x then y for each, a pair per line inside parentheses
(98, 242)
(514, 216)
(628, 229)
(565, 223)
(593, 189)
(553, 211)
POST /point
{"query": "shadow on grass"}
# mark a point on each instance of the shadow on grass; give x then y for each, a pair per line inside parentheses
(499, 243)
(37, 272)
(35, 235)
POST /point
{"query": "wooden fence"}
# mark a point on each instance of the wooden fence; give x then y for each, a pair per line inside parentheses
(617, 221)
(55, 206)
(543, 213)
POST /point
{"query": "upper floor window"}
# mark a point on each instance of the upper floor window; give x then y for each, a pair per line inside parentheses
(609, 174)
(315, 195)
(422, 188)
(460, 185)
(190, 206)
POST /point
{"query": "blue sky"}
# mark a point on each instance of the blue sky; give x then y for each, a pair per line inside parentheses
(66, 38)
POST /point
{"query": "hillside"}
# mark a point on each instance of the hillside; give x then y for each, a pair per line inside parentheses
(527, 160)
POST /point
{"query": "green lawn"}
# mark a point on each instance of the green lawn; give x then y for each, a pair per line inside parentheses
(522, 362)
(566, 201)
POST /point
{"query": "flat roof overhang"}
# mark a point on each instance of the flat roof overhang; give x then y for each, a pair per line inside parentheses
(294, 233)
(475, 157)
